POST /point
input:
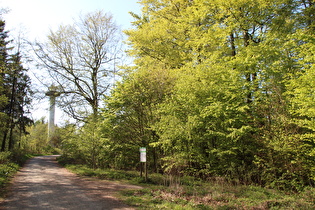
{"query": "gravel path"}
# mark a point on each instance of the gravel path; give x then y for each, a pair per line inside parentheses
(43, 184)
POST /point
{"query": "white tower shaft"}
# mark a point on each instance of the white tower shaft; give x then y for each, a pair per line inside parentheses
(51, 121)
(52, 94)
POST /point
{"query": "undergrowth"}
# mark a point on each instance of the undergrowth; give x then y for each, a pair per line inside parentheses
(169, 192)
(10, 162)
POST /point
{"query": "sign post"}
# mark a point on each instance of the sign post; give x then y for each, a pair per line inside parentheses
(143, 162)
(143, 154)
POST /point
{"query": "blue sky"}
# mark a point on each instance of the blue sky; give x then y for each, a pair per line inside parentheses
(36, 17)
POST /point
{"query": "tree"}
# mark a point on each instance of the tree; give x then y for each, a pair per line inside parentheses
(131, 112)
(229, 105)
(84, 144)
(17, 83)
(218, 89)
(81, 58)
(300, 92)
(200, 45)
(36, 141)
(16, 91)
(3, 69)
(162, 34)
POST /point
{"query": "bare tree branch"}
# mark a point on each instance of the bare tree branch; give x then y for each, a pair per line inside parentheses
(81, 59)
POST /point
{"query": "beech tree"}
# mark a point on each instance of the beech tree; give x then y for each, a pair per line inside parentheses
(131, 112)
(241, 100)
(81, 60)
(219, 88)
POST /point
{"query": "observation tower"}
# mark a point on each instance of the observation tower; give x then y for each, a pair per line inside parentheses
(52, 93)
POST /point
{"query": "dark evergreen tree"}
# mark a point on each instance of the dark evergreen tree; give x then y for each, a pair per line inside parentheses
(3, 69)
(15, 93)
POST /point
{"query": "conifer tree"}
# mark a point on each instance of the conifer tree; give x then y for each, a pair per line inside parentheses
(3, 71)
(16, 91)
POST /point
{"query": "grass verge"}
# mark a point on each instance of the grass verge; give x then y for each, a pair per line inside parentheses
(168, 192)
(9, 165)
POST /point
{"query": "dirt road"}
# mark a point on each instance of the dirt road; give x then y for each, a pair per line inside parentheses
(43, 184)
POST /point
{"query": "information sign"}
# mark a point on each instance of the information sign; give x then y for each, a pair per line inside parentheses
(143, 154)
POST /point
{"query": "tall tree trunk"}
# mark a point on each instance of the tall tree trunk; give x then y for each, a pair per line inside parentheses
(4, 139)
(11, 143)
(11, 108)
(232, 42)
(249, 76)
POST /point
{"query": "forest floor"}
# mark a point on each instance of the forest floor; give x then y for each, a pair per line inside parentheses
(162, 191)
(43, 184)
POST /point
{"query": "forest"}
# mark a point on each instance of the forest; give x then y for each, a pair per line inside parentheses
(215, 89)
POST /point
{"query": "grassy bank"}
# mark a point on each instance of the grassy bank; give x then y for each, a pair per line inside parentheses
(168, 192)
(10, 162)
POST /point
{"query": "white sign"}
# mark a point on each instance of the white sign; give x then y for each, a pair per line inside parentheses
(143, 154)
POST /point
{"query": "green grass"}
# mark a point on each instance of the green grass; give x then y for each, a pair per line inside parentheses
(217, 197)
(103, 174)
(167, 192)
(10, 162)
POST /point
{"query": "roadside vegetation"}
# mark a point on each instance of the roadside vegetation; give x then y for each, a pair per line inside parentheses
(171, 192)
(10, 162)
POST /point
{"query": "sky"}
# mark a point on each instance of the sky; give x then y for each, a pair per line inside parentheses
(35, 18)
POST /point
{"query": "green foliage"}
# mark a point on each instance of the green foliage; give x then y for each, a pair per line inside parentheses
(204, 128)
(240, 101)
(129, 116)
(218, 89)
(6, 171)
(85, 144)
(91, 143)
(10, 162)
(4, 157)
(37, 140)
(70, 146)
(14, 94)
